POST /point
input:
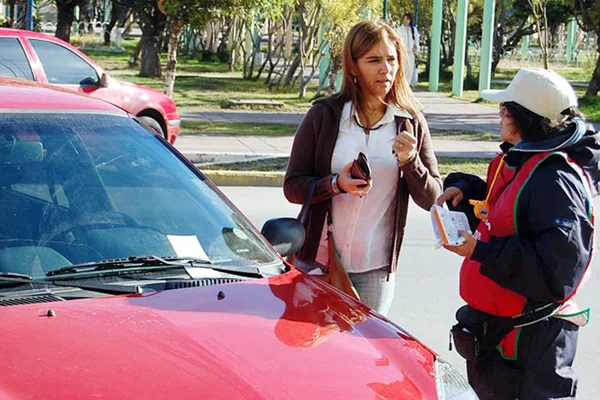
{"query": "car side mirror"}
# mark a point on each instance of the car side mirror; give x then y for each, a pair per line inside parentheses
(89, 81)
(104, 80)
(285, 234)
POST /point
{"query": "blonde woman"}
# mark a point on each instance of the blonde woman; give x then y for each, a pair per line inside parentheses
(376, 114)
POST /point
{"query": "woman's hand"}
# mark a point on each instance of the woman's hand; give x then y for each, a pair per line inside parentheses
(467, 248)
(356, 187)
(452, 193)
(405, 144)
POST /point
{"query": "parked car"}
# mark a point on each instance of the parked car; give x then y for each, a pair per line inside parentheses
(125, 273)
(38, 57)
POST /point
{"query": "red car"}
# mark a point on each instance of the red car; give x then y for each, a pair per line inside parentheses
(38, 57)
(125, 273)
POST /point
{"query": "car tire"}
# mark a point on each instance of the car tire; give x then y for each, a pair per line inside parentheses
(154, 124)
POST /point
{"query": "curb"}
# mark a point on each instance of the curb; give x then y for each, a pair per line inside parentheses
(208, 158)
(245, 178)
(273, 178)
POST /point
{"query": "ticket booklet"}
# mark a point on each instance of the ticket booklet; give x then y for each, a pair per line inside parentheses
(447, 225)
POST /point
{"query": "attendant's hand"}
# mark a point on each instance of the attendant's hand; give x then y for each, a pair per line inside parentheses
(405, 145)
(356, 187)
(452, 193)
(467, 248)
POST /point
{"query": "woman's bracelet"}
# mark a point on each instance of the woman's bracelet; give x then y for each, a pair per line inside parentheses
(334, 185)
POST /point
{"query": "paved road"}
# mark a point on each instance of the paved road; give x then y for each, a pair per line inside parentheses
(427, 284)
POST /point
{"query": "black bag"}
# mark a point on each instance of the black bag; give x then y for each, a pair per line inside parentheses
(477, 334)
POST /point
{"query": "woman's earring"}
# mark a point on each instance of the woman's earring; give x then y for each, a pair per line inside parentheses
(354, 79)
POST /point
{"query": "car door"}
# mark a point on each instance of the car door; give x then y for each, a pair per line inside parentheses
(13, 60)
(63, 67)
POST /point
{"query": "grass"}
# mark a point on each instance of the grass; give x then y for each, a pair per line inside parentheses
(203, 93)
(269, 164)
(476, 166)
(201, 85)
(463, 135)
(236, 128)
(254, 129)
(590, 107)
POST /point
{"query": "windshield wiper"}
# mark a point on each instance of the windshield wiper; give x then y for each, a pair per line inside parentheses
(150, 262)
(17, 278)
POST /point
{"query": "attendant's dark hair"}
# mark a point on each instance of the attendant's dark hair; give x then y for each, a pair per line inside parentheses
(534, 127)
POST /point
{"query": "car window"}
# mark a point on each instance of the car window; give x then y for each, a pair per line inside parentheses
(96, 187)
(13, 61)
(61, 65)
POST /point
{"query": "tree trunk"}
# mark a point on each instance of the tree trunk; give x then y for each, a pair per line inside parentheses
(66, 14)
(153, 23)
(150, 63)
(594, 84)
(114, 18)
(172, 57)
(291, 71)
(334, 68)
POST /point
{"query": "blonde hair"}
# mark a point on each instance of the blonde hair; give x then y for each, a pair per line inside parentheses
(361, 38)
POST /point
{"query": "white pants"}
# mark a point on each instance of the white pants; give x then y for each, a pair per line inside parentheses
(410, 72)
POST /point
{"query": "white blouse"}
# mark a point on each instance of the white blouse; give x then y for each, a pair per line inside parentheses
(406, 34)
(363, 228)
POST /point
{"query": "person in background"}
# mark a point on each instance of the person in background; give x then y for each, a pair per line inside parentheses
(375, 113)
(532, 249)
(410, 37)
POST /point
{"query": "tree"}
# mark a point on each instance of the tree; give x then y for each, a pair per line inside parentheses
(181, 13)
(66, 14)
(153, 23)
(538, 8)
(588, 16)
(339, 16)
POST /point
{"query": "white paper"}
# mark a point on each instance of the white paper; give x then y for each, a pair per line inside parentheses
(200, 273)
(452, 223)
(188, 246)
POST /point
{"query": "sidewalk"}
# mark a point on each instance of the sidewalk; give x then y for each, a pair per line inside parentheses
(441, 112)
(202, 149)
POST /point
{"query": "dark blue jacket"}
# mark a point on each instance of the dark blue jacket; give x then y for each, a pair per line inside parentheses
(547, 261)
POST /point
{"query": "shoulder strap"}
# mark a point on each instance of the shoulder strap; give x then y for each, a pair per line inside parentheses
(536, 315)
(304, 210)
(412, 29)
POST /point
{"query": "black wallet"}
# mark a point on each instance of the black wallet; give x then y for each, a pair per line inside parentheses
(361, 168)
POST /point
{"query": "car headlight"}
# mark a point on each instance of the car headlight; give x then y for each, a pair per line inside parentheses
(451, 384)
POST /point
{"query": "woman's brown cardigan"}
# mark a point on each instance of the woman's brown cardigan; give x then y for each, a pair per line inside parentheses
(311, 159)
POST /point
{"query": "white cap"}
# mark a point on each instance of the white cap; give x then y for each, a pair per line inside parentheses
(541, 91)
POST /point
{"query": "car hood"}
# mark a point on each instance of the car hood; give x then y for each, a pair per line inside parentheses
(287, 337)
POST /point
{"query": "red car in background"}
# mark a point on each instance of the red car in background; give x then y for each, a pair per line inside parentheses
(38, 57)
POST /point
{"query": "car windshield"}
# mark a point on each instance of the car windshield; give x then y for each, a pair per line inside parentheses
(79, 188)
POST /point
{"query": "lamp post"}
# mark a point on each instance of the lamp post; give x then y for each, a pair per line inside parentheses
(416, 13)
(29, 15)
(385, 10)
